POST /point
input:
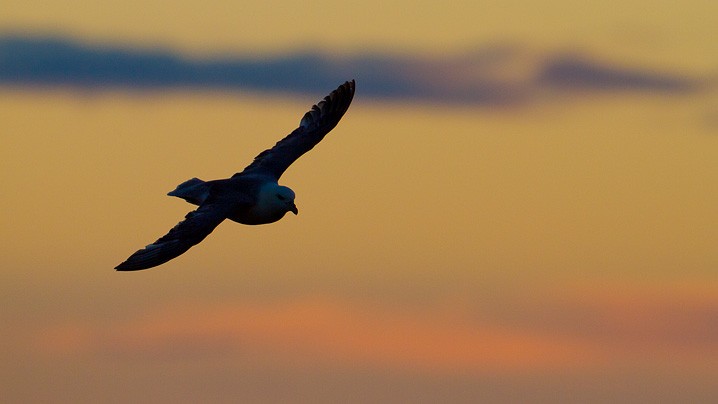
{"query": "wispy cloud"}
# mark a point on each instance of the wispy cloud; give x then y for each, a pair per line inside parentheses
(320, 331)
(580, 72)
(494, 76)
(590, 330)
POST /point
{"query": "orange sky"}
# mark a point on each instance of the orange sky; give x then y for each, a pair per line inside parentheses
(562, 249)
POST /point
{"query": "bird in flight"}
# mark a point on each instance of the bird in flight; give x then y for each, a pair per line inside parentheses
(252, 196)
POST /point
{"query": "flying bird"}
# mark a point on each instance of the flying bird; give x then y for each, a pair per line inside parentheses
(252, 196)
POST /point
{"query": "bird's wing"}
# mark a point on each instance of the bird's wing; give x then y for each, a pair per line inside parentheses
(194, 228)
(315, 124)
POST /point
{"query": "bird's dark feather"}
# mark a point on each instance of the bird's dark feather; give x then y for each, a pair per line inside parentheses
(197, 225)
(315, 124)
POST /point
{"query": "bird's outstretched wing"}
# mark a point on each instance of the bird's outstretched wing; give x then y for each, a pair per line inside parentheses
(197, 225)
(315, 124)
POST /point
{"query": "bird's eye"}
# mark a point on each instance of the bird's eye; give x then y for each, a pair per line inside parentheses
(281, 198)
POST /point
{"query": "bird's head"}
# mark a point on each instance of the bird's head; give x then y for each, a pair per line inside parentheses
(278, 199)
(285, 198)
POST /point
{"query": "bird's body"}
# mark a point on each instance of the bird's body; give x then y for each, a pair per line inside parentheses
(250, 197)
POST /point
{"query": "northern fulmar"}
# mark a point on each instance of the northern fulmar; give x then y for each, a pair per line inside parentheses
(252, 196)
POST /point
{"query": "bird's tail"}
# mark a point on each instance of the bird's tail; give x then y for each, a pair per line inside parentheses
(194, 191)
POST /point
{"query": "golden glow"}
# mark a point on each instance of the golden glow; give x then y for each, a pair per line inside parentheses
(568, 242)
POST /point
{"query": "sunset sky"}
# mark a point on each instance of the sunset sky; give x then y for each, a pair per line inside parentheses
(519, 206)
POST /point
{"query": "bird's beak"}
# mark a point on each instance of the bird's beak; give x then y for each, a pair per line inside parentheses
(294, 209)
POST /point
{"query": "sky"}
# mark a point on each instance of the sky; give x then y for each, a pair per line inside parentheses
(519, 206)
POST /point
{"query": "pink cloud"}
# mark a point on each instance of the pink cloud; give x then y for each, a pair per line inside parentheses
(634, 327)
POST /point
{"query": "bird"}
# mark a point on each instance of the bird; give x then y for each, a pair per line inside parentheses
(252, 196)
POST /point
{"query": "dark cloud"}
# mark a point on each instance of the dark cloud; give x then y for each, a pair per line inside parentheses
(53, 61)
(579, 72)
(495, 76)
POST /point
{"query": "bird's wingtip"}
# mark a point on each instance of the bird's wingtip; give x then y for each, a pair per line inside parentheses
(128, 265)
(331, 108)
(121, 267)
